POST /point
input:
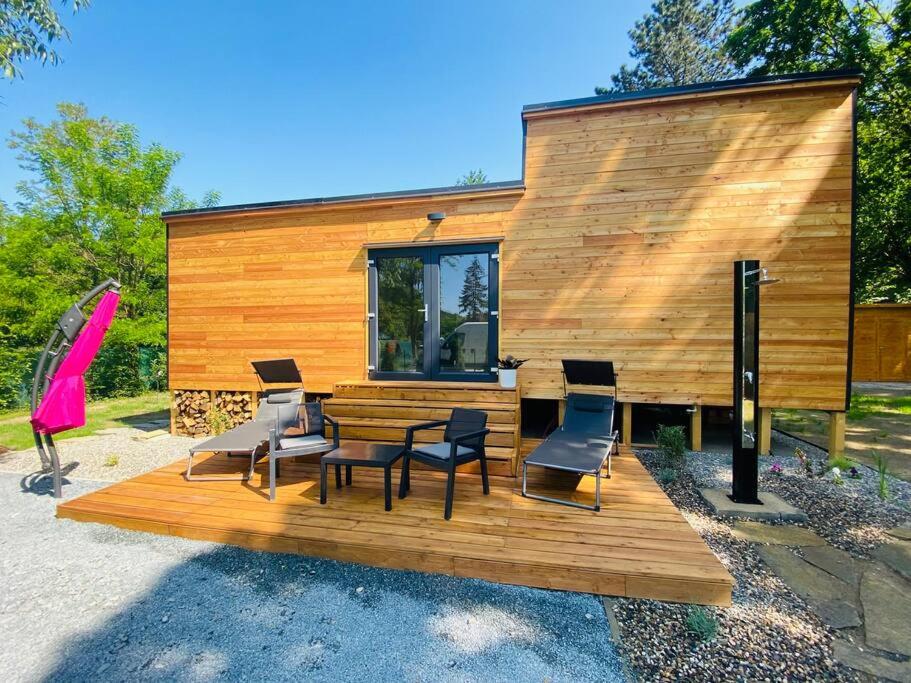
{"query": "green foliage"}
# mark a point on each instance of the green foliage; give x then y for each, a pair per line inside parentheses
(115, 372)
(667, 475)
(840, 462)
(112, 461)
(701, 623)
(27, 29)
(90, 210)
(16, 369)
(678, 42)
(671, 443)
(882, 473)
(784, 36)
(218, 421)
(864, 406)
(473, 177)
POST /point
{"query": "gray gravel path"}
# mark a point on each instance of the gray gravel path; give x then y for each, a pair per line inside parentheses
(116, 454)
(92, 602)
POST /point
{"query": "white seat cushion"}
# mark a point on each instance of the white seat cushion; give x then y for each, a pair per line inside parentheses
(314, 441)
(442, 450)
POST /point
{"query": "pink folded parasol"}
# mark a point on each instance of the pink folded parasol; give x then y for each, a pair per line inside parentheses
(63, 404)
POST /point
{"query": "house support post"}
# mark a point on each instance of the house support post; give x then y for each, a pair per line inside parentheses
(696, 428)
(627, 423)
(836, 434)
(765, 431)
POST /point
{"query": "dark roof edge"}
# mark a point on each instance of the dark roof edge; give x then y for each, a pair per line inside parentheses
(693, 88)
(352, 198)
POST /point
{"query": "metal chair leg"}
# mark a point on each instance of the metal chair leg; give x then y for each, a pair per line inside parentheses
(273, 473)
(598, 490)
(450, 490)
(485, 481)
(403, 481)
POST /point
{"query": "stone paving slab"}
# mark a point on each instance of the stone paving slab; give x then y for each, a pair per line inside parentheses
(832, 599)
(782, 534)
(897, 556)
(886, 600)
(836, 562)
(903, 532)
(773, 508)
(853, 656)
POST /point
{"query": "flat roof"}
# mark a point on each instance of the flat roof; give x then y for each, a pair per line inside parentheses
(517, 185)
(693, 88)
(353, 198)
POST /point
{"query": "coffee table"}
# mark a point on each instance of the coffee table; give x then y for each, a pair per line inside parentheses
(360, 454)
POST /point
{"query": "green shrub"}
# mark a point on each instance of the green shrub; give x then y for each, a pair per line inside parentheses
(218, 421)
(882, 471)
(671, 446)
(841, 463)
(115, 372)
(112, 461)
(667, 475)
(701, 623)
(17, 367)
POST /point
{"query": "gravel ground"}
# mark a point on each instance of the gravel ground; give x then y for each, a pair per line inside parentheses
(769, 633)
(851, 517)
(89, 457)
(93, 602)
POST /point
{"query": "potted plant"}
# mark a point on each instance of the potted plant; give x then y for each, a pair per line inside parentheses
(507, 371)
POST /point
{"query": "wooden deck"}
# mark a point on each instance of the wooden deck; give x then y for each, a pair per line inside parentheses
(639, 545)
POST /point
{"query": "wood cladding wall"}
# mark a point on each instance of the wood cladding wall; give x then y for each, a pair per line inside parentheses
(882, 343)
(620, 248)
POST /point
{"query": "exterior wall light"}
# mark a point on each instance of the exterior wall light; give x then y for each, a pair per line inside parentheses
(436, 216)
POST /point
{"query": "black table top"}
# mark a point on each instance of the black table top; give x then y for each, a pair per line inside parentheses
(365, 454)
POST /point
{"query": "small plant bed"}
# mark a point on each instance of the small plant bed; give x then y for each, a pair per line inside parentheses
(770, 632)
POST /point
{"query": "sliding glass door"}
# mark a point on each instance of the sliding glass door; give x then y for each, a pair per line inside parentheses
(433, 312)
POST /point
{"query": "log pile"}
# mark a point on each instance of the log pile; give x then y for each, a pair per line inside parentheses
(236, 405)
(191, 409)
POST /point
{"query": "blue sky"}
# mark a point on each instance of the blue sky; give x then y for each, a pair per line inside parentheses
(283, 100)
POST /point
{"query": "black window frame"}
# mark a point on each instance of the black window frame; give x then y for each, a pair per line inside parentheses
(430, 254)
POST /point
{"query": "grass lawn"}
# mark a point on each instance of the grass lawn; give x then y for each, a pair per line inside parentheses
(16, 433)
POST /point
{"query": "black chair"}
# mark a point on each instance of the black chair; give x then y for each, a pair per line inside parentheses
(463, 442)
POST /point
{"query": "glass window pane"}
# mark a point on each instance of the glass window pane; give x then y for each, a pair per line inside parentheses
(400, 314)
(464, 312)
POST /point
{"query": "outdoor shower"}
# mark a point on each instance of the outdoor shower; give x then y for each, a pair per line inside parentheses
(748, 276)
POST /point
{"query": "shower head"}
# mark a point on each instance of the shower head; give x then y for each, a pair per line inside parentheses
(764, 278)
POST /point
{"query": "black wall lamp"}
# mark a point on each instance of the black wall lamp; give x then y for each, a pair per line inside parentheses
(436, 216)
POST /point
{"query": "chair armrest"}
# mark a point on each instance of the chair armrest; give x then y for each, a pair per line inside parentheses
(273, 438)
(336, 434)
(481, 433)
(409, 431)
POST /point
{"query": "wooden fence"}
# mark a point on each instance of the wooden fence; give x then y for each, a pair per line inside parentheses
(882, 343)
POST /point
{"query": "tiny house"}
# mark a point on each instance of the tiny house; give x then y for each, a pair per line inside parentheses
(615, 243)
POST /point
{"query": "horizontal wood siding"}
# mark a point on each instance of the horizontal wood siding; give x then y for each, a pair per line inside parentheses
(882, 343)
(620, 248)
(623, 245)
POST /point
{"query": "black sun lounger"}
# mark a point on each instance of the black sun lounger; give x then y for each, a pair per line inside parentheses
(583, 443)
(277, 409)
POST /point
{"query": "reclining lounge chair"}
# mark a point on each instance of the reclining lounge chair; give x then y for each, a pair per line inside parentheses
(586, 440)
(278, 409)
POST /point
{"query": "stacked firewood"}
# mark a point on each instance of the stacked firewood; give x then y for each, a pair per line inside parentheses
(236, 405)
(191, 410)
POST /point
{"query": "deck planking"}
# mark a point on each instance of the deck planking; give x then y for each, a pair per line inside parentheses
(639, 545)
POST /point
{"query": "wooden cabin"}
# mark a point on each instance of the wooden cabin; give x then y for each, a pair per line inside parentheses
(617, 243)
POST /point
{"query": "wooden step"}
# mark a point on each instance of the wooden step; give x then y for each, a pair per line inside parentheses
(381, 412)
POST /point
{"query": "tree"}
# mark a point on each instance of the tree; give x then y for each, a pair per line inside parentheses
(474, 177)
(784, 36)
(473, 299)
(90, 211)
(27, 29)
(678, 42)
